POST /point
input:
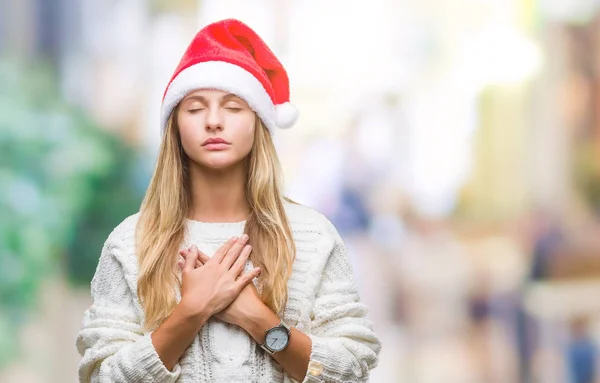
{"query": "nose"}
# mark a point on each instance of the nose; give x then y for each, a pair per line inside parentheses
(214, 120)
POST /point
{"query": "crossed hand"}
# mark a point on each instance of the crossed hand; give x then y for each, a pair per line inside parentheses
(218, 284)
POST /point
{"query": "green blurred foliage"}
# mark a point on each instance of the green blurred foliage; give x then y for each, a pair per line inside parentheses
(586, 163)
(64, 184)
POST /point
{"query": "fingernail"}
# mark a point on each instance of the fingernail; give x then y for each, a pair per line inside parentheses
(245, 237)
(257, 271)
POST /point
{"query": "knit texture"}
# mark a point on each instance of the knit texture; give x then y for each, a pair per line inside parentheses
(323, 302)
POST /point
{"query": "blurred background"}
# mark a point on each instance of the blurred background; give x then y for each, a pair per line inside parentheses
(455, 144)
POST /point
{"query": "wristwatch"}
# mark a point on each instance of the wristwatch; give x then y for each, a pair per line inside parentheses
(277, 338)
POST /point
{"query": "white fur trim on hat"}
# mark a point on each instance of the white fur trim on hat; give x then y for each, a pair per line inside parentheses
(286, 115)
(223, 76)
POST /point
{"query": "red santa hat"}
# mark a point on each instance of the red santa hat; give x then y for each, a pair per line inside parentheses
(228, 55)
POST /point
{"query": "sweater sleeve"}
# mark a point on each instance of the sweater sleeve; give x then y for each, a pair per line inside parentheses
(344, 346)
(112, 342)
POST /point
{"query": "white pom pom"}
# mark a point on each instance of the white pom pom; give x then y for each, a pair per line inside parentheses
(286, 115)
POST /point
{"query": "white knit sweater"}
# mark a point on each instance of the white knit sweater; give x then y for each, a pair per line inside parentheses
(323, 303)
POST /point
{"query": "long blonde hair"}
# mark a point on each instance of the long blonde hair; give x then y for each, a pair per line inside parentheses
(161, 226)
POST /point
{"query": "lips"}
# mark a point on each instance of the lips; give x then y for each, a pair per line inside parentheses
(215, 141)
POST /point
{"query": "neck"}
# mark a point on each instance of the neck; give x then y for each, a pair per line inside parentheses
(218, 195)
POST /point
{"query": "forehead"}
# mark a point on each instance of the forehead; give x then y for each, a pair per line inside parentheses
(211, 94)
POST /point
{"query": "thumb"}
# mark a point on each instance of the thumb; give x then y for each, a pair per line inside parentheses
(248, 277)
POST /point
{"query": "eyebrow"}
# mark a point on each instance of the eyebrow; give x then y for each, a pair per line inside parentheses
(227, 97)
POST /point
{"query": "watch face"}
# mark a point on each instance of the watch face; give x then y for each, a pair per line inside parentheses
(277, 339)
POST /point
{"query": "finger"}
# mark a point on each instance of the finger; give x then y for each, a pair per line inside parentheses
(240, 262)
(196, 254)
(181, 263)
(220, 254)
(234, 252)
(190, 260)
(247, 278)
(200, 256)
(184, 253)
(203, 258)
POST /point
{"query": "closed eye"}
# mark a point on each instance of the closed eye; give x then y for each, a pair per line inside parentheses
(233, 109)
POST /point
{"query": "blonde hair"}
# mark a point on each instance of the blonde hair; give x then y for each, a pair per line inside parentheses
(161, 225)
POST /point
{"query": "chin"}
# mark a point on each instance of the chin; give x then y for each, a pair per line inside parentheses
(219, 163)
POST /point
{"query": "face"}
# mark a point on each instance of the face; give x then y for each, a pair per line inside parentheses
(277, 339)
(216, 128)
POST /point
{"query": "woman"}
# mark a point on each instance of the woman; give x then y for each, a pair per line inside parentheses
(219, 278)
